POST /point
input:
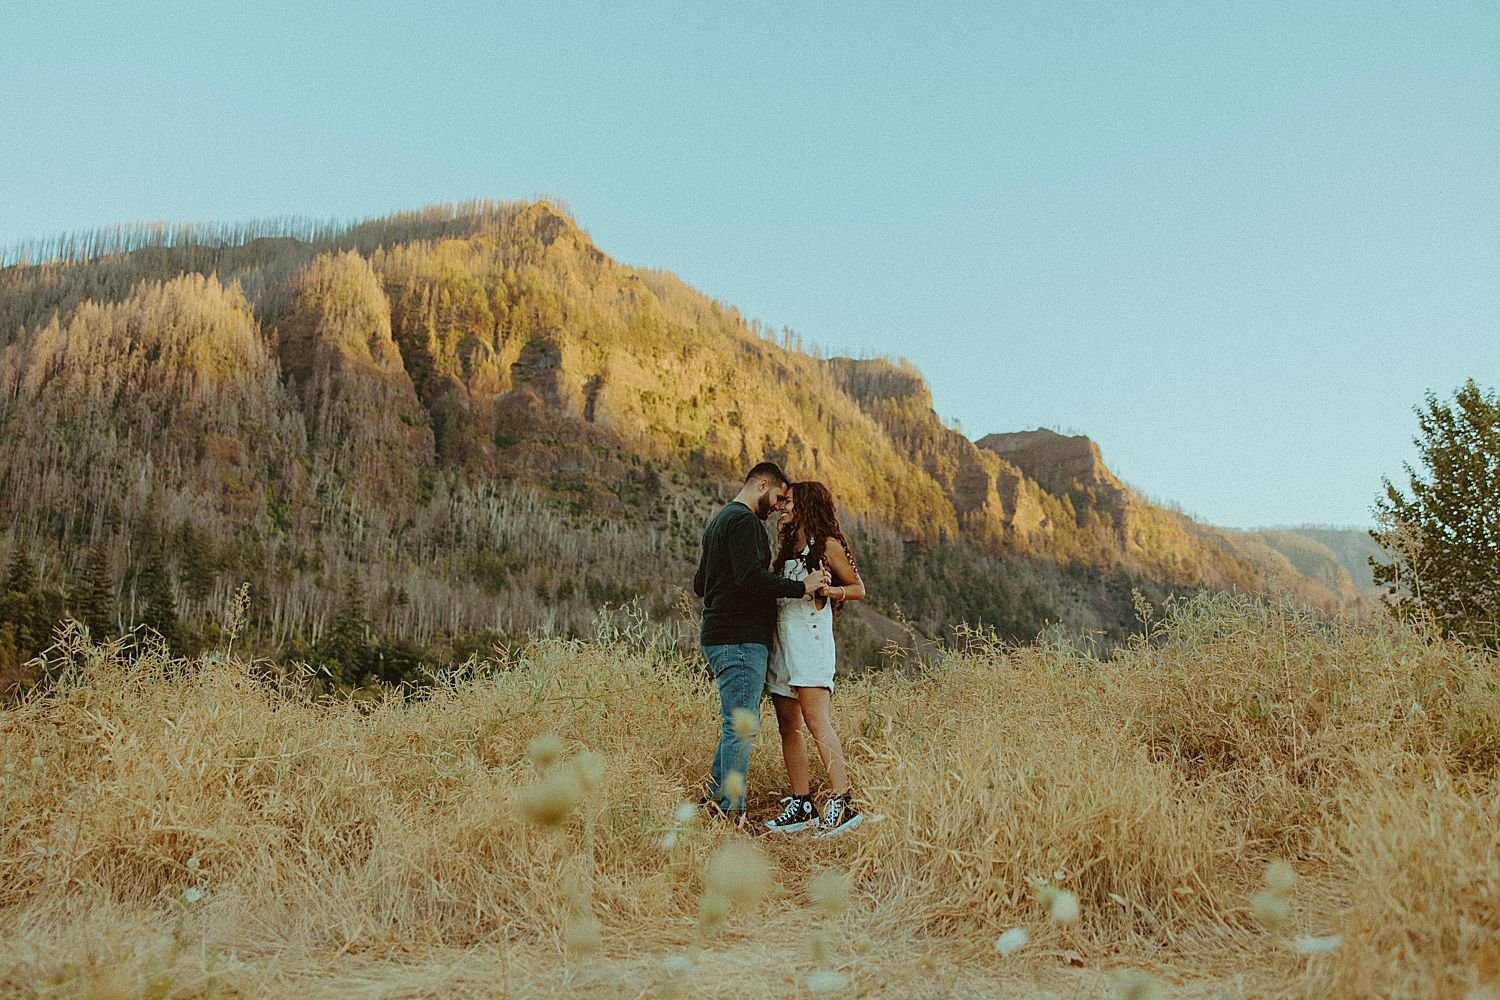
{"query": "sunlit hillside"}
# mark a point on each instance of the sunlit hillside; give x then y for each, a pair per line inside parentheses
(212, 828)
(419, 434)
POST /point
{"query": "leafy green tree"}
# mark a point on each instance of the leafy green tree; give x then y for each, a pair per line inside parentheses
(1444, 539)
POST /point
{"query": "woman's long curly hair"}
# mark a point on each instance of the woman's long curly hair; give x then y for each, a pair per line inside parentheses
(814, 512)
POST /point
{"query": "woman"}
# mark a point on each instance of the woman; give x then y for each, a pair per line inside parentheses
(799, 674)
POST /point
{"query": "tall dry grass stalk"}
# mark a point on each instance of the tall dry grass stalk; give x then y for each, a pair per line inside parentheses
(186, 829)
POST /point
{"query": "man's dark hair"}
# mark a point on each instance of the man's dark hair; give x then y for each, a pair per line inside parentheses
(768, 470)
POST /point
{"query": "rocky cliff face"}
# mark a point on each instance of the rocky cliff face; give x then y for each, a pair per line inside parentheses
(1059, 464)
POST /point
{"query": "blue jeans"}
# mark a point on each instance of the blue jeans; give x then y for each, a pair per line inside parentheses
(740, 672)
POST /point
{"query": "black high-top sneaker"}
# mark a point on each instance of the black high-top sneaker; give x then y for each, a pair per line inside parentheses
(797, 814)
(839, 817)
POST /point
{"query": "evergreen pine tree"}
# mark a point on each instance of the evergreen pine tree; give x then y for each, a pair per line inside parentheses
(94, 593)
(347, 639)
(194, 563)
(20, 574)
(161, 604)
(22, 616)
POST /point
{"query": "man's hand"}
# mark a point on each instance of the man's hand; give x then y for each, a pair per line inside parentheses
(816, 581)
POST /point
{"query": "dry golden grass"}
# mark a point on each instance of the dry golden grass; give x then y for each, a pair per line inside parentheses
(194, 829)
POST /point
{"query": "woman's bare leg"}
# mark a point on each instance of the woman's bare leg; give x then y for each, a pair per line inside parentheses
(793, 751)
(815, 704)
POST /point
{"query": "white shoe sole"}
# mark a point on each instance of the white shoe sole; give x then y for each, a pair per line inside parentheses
(841, 829)
(792, 827)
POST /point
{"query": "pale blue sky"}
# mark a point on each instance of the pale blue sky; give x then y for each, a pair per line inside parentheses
(1233, 243)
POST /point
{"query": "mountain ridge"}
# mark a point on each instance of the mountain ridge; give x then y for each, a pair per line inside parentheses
(365, 403)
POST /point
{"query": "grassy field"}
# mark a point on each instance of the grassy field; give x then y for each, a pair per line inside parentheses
(211, 828)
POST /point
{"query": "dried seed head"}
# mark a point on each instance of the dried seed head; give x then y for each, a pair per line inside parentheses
(545, 749)
(741, 872)
(734, 785)
(678, 969)
(1047, 895)
(679, 965)
(819, 947)
(830, 892)
(1319, 945)
(589, 769)
(1012, 941)
(1280, 878)
(1270, 909)
(686, 812)
(582, 935)
(745, 723)
(1133, 984)
(669, 840)
(1064, 908)
(712, 910)
(550, 801)
(827, 981)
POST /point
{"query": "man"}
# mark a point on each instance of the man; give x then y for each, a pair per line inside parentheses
(739, 594)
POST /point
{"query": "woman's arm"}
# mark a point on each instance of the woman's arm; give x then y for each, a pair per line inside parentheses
(846, 585)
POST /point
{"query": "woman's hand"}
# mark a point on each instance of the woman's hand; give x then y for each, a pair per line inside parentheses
(817, 581)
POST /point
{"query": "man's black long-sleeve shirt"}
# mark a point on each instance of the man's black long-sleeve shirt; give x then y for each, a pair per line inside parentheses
(739, 590)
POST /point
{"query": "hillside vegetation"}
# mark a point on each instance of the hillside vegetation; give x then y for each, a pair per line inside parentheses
(417, 435)
(179, 828)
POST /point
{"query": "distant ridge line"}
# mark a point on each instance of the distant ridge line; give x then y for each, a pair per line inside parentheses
(431, 222)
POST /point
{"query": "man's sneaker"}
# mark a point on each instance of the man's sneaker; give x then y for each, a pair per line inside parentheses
(839, 817)
(797, 814)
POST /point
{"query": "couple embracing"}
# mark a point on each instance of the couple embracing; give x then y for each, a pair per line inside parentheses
(768, 626)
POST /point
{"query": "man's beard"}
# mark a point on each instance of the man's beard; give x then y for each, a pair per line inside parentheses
(763, 507)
